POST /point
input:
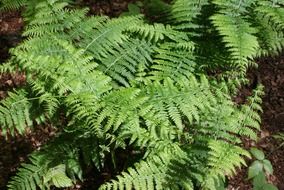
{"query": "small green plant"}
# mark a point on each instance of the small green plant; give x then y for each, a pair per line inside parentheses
(258, 169)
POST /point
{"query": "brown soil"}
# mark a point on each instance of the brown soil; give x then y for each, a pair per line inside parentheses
(270, 72)
(112, 8)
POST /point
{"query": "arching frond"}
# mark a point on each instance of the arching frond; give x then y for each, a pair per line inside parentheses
(30, 176)
(158, 32)
(9, 5)
(172, 62)
(223, 159)
(15, 113)
(104, 35)
(124, 62)
(273, 12)
(148, 174)
(126, 83)
(184, 12)
(238, 37)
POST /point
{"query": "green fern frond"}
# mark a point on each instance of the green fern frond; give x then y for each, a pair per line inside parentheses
(65, 70)
(10, 5)
(104, 35)
(271, 41)
(172, 62)
(124, 61)
(101, 118)
(57, 177)
(51, 18)
(149, 174)
(29, 176)
(118, 103)
(238, 37)
(56, 164)
(46, 101)
(175, 100)
(169, 169)
(235, 7)
(223, 159)
(7, 68)
(158, 32)
(15, 113)
(272, 11)
(270, 35)
(182, 169)
(184, 12)
(250, 117)
(32, 7)
(124, 83)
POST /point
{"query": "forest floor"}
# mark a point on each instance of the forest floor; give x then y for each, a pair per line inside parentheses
(14, 151)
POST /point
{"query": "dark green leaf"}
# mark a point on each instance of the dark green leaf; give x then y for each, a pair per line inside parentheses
(267, 166)
(259, 181)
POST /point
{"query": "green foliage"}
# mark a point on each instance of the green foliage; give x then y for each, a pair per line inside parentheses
(258, 169)
(31, 6)
(184, 12)
(258, 154)
(259, 183)
(30, 175)
(6, 4)
(58, 177)
(127, 83)
(15, 111)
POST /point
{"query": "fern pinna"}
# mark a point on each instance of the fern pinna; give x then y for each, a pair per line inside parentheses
(128, 83)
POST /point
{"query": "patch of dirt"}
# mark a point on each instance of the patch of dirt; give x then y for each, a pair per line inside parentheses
(11, 25)
(271, 71)
(112, 8)
(10, 22)
(10, 81)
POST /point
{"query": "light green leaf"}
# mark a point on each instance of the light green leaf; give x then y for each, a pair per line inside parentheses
(61, 180)
(267, 166)
(74, 169)
(58, 177)
(259, 181)
(258, 154)
(255, 168)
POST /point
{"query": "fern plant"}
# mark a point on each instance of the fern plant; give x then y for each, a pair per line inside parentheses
(126, 83)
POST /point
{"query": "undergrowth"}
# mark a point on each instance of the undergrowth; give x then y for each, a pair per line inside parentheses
(161, 88)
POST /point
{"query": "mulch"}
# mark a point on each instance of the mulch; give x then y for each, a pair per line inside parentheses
(15, 150)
